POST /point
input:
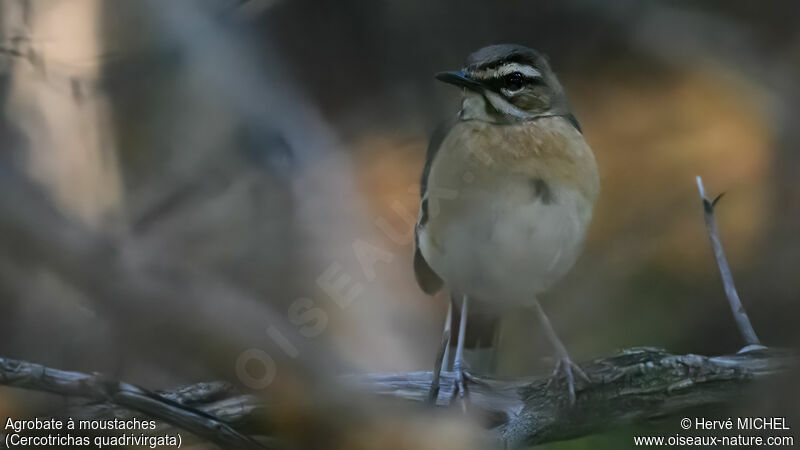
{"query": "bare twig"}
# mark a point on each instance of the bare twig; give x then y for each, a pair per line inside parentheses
(739, 314)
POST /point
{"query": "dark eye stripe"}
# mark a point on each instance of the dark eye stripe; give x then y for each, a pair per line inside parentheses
(495, 84)
(498, 82)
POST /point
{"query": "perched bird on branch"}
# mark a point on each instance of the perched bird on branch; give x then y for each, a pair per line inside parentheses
(508, 191)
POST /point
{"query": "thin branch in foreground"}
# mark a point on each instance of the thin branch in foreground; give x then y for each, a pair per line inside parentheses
(27, 375)
(739, 314)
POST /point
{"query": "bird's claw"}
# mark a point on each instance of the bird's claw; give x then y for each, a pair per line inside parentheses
(460, 392)
(569, 369)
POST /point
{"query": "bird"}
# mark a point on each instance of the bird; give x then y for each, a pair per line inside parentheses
(507, 195)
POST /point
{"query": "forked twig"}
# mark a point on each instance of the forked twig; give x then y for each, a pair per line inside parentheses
(739, 314)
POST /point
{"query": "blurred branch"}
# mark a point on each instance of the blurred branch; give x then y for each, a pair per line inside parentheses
(638, 384)
(739, 314)
(75, 384)
(132, 283)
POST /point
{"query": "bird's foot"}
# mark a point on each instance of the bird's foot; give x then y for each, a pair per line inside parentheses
(569, 369)
(460, 391)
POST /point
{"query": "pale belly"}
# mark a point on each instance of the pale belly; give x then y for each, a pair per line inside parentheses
(503, 244)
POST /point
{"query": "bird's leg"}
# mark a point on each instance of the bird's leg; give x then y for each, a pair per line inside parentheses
(459, 366)
(564, 363)
(448, 330)
(442, 356)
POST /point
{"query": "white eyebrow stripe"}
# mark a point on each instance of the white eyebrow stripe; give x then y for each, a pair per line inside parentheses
(506, 69)
(528, 71)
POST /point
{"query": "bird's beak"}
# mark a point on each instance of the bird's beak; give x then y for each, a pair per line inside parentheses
(460, 79)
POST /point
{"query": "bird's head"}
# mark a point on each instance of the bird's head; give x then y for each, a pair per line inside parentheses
(507, 83)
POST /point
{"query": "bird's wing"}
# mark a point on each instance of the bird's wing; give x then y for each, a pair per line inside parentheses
(574, 122)
(427, 279)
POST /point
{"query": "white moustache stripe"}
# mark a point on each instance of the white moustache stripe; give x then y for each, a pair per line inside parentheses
(502, 105)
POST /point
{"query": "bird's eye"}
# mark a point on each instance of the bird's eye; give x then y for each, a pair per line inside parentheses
(515, 81)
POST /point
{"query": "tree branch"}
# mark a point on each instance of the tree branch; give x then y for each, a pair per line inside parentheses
(95, 387)
(635, 385)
